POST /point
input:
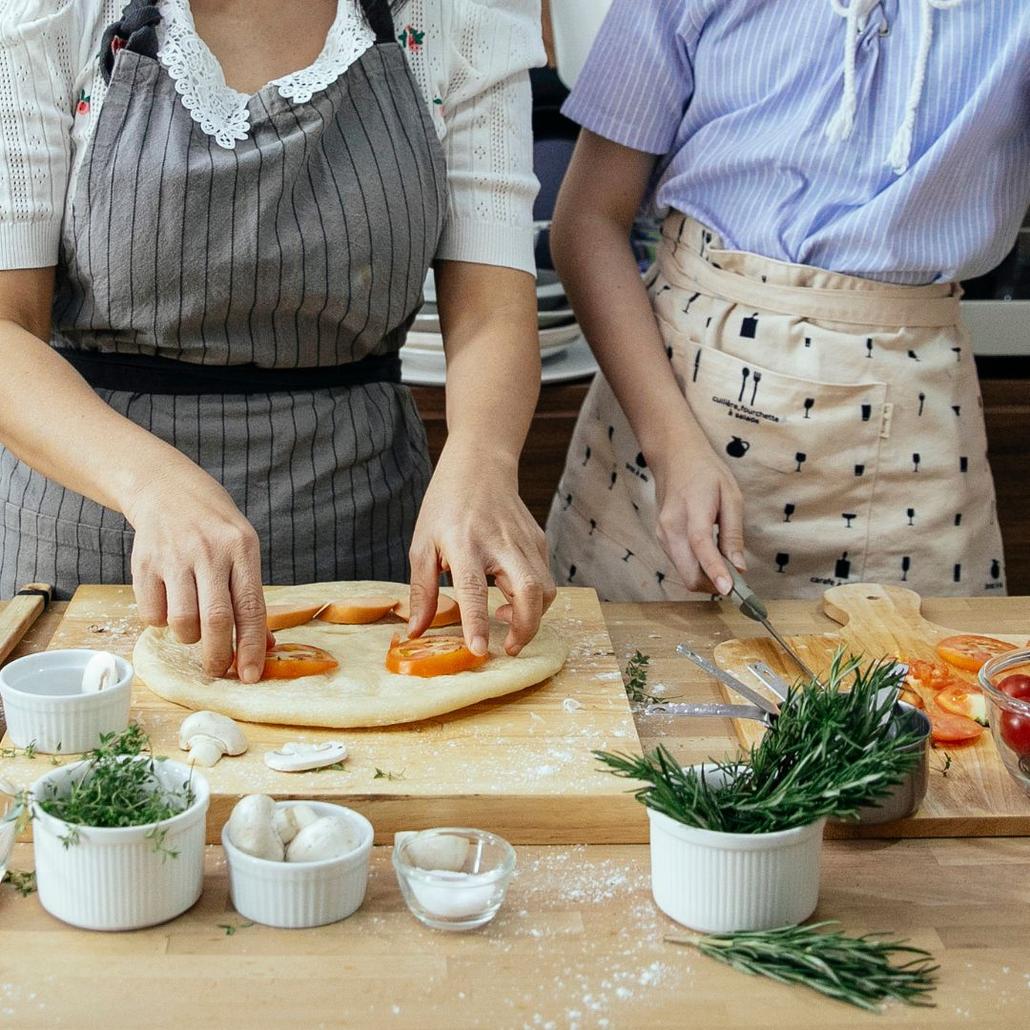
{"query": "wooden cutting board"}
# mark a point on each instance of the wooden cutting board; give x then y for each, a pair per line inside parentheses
(977, 797)
(520, 766)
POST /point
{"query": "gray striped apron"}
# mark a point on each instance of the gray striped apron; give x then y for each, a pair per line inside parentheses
(303, 249)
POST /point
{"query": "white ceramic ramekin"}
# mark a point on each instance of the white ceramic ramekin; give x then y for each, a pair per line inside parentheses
(722, 882)
(293, 895)
(44, 705)
(116, 879)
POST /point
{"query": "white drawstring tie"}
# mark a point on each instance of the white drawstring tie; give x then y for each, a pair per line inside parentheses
(842, 123)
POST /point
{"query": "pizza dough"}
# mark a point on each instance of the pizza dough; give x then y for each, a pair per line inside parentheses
(358, 693)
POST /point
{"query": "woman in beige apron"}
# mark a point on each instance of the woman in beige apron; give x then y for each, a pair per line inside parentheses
(813, 427)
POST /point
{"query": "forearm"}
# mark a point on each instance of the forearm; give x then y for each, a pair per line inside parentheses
(489, 321)
(54, 422)
(597, 266)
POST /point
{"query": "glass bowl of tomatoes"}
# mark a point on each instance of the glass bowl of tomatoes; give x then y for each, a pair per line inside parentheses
(1005, 681)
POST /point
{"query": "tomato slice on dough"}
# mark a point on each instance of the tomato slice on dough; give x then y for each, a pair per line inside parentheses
(447, 611)
(971, 652)
(960, 699)
(358, 611)
(286, 616)
(431, 656)
(291, 661)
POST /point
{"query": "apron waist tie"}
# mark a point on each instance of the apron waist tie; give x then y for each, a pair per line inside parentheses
(891, 307)
(144, 373)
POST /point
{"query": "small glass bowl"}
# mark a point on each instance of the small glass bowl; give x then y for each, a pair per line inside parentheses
(1008, 714)
(10, 810)
(464, 896)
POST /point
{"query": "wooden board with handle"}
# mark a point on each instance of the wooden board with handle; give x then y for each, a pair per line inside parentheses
(520, 766)
(977, 797)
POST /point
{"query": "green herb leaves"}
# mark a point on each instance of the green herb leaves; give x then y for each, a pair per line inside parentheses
(23, 883)
(857, 970)
(120, 787)
(828, 754)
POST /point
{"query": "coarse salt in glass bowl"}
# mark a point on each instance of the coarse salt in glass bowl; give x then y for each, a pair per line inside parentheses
(1009, 716)
(453, 878)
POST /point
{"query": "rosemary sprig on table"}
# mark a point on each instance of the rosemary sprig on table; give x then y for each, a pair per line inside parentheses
(829, 753)
(857, 970)
(119, 788)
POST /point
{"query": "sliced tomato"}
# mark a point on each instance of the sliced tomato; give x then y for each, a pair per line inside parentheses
(292, 661)
(971, 652)
(431, 656)
(447, 611)
(910, 697)
(358, 611)
(962, 699)
(948, 728)
(286, 616)
(929, 676)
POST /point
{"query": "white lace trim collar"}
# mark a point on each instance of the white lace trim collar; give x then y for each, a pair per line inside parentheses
(220, 110)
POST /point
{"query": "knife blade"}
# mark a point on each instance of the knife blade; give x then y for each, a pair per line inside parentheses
(704, 710)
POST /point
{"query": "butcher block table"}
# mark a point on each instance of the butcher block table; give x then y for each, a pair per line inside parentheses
(579, 942)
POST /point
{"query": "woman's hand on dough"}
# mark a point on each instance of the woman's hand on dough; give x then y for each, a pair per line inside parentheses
(473, 524)
(696, 495)
(196, 567)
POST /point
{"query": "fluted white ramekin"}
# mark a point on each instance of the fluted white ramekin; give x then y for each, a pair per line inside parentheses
(44, 704)
(722, 882)
(293, 895)
(118, 878)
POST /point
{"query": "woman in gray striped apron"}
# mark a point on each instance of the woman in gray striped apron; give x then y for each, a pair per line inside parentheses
(220, 401)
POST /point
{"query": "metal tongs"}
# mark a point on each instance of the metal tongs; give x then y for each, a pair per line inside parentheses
(754, 608)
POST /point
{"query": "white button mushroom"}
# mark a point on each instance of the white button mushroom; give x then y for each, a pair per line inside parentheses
(327, 837)
(99, 673)
(447, 852)
(208, 736)
(252, 828)
(291, 819)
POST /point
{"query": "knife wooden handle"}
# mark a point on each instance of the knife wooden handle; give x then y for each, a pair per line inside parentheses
(20, 613)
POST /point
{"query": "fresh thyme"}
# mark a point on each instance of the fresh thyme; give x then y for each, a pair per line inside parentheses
(857, 970)
(231, 928)
(385, 774)
(829, 753)
(23, 883)
(946, 764)
(31, 750)
(340, 766)
(636, 680)
(119, 788)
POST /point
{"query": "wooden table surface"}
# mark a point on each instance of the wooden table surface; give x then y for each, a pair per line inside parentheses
(579, 942)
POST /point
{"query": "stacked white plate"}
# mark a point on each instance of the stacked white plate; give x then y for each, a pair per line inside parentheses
(559, 333)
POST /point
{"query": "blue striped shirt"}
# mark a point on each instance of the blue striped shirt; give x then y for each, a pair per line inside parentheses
(736, 95)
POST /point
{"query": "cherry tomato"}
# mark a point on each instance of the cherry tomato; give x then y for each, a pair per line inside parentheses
(1015, 731)
(358, 611)
(431, 656)
(971, 652)
(960, 699)
(286, 616)
(1017, 685)
(447, 611)
(292, 661)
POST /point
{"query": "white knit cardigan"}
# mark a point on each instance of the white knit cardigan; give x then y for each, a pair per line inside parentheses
(469, 57)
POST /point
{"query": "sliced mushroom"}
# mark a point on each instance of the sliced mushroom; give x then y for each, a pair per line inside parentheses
(327, 837)
(208, 736)
(99, 673)
(291, 819)
(252, 828)
(298, 756)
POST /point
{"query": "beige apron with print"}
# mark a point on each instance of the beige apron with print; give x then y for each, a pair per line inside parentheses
(848, 411)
